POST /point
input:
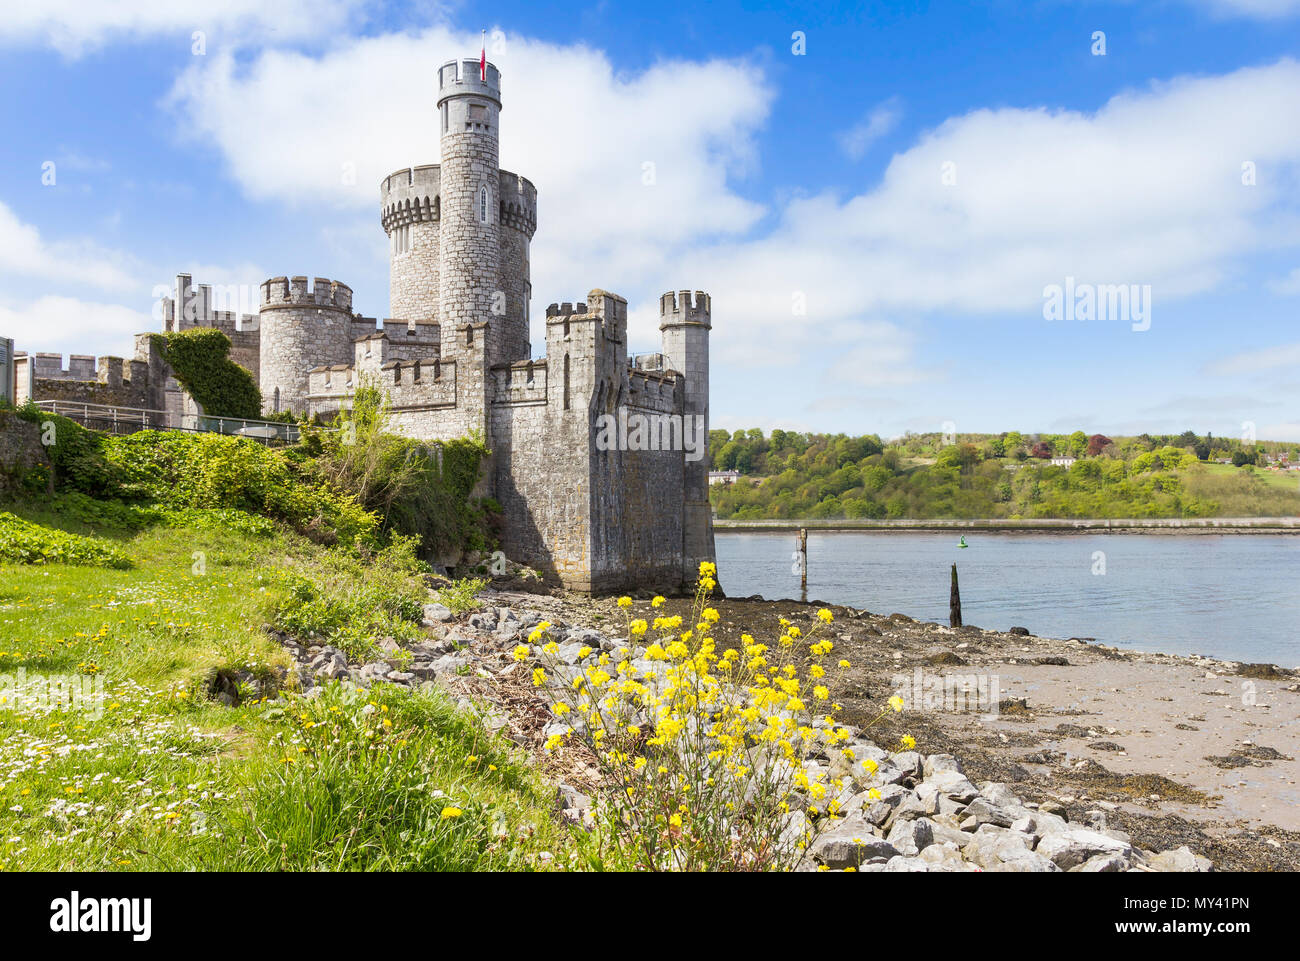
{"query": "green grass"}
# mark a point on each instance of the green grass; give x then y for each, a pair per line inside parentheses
(158, 776)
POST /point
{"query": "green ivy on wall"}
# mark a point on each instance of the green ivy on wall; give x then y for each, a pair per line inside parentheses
(200, 360)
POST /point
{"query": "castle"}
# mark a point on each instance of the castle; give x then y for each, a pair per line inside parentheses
(588, 501)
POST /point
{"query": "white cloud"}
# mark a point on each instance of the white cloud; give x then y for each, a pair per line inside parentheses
(80, 263)
(74, 27)
(1145, 190)
(1254, 361)
(878, 122)
(58, 324)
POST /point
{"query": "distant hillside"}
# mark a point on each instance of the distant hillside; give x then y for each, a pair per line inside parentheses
(1010, 475)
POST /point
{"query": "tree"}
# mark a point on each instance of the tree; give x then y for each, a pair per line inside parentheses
(1098, 443)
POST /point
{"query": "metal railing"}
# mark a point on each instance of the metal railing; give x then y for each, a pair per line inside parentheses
(127, 420)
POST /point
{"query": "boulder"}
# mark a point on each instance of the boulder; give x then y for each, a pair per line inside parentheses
(1067, 849)
(436, 614)
(1179, 859)
(848, 844)
(911, 837)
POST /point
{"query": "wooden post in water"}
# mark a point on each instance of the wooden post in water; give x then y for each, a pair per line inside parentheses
(803, 560)
(954, 601)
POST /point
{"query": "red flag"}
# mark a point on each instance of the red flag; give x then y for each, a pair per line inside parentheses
(482, 60)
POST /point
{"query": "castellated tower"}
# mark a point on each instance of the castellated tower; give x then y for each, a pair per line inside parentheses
(301, 329)
(684, 325)
(459, 235)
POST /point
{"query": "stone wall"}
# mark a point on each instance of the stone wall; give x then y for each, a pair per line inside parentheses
(20, 450)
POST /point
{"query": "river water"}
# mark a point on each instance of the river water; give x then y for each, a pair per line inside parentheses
(1230, 596)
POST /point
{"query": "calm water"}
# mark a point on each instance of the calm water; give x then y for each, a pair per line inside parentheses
(1234, 597)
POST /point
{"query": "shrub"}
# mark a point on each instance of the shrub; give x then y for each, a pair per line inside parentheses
(27, 543)
(461, 596)
(76, 454)
(414, 487)
(212, 471)
(200, 360)
(707, 750)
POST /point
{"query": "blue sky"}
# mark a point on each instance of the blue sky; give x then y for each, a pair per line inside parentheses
(876, 217)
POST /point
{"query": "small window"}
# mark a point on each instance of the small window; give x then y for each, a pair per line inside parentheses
(483, 204)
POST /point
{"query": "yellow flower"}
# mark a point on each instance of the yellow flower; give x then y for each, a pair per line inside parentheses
(539, 677)
(625, 602)
(896, 703)
(449, 813)
(657, 601)
(825, 616)
(521, 652)
(909, 742)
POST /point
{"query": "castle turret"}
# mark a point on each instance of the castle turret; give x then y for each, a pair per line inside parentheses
(469, 283)
(410, 209)
(684, 325)
(301, 329)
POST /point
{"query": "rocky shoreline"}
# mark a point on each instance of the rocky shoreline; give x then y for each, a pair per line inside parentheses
(1016, 789)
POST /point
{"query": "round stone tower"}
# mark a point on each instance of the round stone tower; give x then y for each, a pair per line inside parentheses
(469, 282)
(410, 205)
(301, 329)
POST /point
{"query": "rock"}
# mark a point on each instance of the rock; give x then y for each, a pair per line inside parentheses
(1019, 631)
(1179, 859)
(1066, 849)
(998, 794)
(436, 614)
(940, 762)
(1103, 864)
(848, 844)
(996, 850)
(911, 837)
(449, 664)
(910, 763)
(1054, 807)
(980, 811)
(483, 621)
(952, 784)
(570, 798)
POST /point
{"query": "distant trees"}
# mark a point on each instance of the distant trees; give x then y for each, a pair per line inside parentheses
(791, 474)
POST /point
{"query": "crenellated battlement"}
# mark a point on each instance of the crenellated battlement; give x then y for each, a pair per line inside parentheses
(458, 78)
(411, 196)
(518, 203)
(294, 292)
(599, 304)
(680, 307)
